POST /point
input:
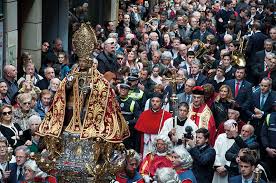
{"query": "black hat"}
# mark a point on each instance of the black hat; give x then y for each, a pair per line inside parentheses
(235, 106)
(125, 86)
(132, 78)
(198, 90)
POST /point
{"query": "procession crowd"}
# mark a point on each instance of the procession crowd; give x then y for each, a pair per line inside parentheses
(195, 81)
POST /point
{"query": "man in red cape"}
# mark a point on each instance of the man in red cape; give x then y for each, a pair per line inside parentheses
(201, 114)
(150, 123)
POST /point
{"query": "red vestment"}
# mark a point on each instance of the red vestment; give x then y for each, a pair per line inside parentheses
(152, 162)
(204, 118)
(149, 121)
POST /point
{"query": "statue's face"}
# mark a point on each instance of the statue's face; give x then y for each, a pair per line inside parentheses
(83, 64)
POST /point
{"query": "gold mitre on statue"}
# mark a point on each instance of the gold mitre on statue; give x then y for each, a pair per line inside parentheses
(84, 40)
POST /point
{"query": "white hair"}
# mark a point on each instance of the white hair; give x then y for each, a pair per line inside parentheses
(230, 122)
(166, 140)
(109, 40)
(166, 175)
(34, 118)
(152, 43)
(130, 36)
(186, 158)
(33, 166)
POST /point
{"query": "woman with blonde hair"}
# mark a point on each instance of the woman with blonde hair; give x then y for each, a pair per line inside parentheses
(221, 104)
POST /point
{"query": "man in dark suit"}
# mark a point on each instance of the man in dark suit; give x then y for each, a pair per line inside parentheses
(261, 105)
(261, 67)
(271, 71)
(186, 96)
(241, 90)
(201, 33)
(255, 42)
(247, 166)
(21, 154)
(203, 155)
(196, 74)
(268, 48)
(49, 73)
(229, 69)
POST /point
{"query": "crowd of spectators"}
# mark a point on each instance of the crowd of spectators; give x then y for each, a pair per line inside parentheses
(223, 123)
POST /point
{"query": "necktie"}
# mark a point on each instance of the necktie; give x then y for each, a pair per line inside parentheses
(20, 174)
(237, 88)
(188, 99)
(268, 74)
(246, 181)
(262, 101)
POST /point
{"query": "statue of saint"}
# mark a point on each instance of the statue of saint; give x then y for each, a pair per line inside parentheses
(85, 100)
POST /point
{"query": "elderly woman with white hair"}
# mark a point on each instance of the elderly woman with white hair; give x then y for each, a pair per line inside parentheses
(34, 122)
(182, 163)
(32, 173)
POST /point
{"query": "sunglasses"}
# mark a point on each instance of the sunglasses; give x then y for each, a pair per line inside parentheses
(25, 103)
(6, 113)
(120, 58)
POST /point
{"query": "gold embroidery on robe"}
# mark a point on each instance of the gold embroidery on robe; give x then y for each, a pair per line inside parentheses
(102, 119)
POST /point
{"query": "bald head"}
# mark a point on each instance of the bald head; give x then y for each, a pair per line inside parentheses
(10, 72)
(247, 131)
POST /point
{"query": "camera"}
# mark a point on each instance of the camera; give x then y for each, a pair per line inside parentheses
(188, 134)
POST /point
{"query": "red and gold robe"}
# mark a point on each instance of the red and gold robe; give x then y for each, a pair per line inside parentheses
(203, 118)
(102, 118)
(152, 162)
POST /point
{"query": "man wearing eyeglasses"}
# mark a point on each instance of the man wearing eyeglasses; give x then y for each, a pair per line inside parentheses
(107, 58)
(21, 155)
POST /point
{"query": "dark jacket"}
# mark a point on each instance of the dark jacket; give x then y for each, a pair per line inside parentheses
(267, 108)
(204, 158)
(201, 79)
(255, 44)
(244, 94)
(13, 175)
(238, 179)
(232, 153)
(272, 76)
(107, 63)
(197, 35)
(149, 86)
(43, 84)
(220, 111)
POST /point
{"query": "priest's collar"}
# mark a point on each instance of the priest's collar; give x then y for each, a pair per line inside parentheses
(181, 122)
